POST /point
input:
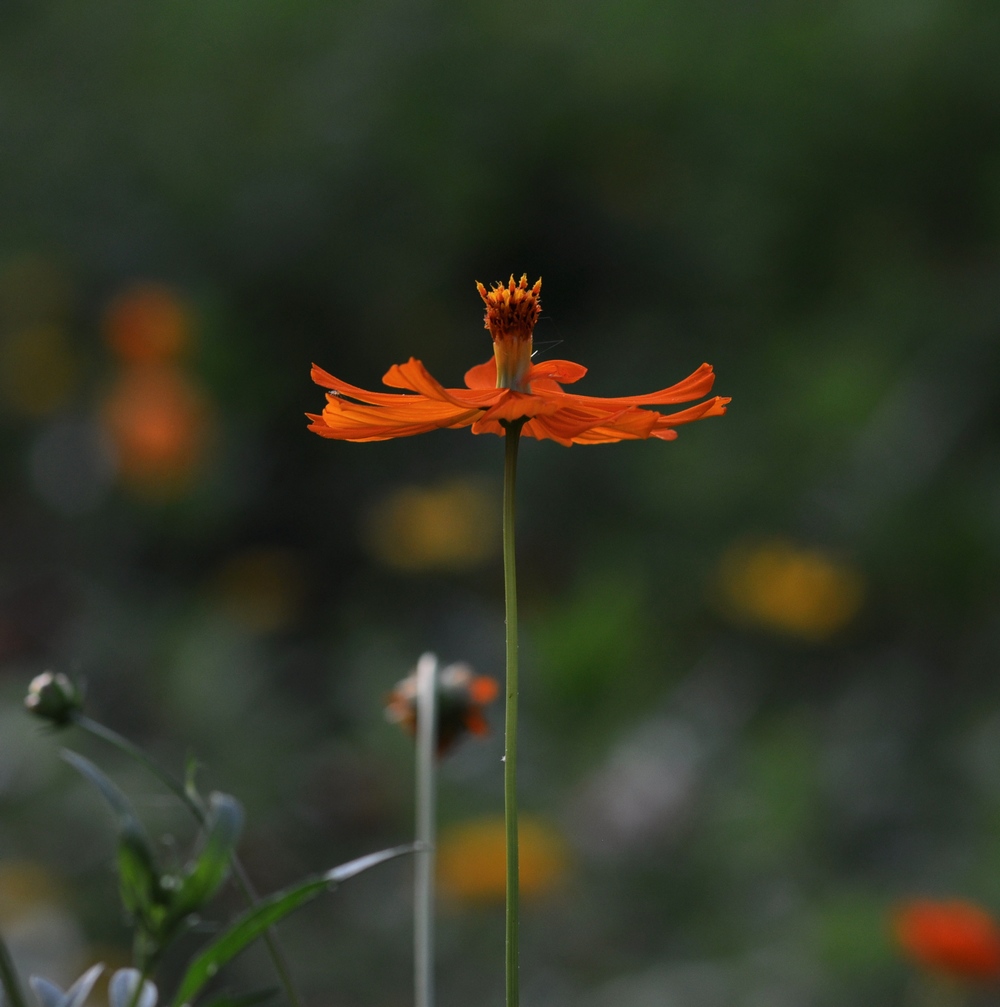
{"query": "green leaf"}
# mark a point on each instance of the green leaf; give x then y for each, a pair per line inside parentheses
(267, 912)
(109, 791)
(141, 891)
(211, 867)
(191, 767)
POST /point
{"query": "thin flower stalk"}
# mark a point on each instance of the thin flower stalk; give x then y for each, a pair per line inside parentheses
(509, 395)
(513, 436)
(426, 801)
(8, 978)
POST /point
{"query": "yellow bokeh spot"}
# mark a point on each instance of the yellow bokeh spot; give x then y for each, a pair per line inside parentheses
(472, 864)
(24, 885)
(38, 370)
(262, 589)
(454, 526)
(791, 589)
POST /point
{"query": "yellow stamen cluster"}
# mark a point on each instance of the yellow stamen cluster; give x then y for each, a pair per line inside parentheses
(511, 313)
(511, 310)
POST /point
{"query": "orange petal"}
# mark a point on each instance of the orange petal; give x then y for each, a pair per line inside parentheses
(475, 723)
(327, 380)
(414, 377)
(349, 421)
(483, 690)
(692, 387)
(563, 371)
(517, 406)
(482, 375)
(711, 407)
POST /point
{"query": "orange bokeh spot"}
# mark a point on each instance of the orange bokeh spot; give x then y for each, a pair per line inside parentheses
(955, 937)
(472, 864)
(147, 324)
(159, 423)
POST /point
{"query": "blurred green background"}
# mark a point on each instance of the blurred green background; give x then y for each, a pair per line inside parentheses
(760, 694)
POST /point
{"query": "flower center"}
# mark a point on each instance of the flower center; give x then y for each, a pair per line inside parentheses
(511, 313)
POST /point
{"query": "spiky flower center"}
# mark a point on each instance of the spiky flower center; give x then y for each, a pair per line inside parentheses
(511, 313)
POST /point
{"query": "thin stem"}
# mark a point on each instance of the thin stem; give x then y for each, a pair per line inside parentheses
(197, 809)
(423, 901)
(133, 1000)
(8, 978)
(175, 786)
(510, 740)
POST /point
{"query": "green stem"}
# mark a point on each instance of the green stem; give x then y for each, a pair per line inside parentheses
(8, 978)
(423, 903)
(513, 435)
(133, 1000)
(176, 787)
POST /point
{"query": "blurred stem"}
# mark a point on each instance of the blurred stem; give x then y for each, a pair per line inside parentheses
(423, 902)
(133, 1000)
(190, 801)
(8, 978)
(513, 435)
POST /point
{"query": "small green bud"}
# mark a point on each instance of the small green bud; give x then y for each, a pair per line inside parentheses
(53, 697)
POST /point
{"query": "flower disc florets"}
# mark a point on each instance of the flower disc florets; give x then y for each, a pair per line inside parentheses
(511, 313)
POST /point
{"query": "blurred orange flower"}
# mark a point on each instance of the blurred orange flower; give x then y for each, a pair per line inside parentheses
(158, 421)
(472, 859)
(461, 697)
(505, 389)
(956, 937)
(799, 591)
(147, 324)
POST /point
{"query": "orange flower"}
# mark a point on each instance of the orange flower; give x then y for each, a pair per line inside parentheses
(506, 389)
(461, 696)
(957, 938)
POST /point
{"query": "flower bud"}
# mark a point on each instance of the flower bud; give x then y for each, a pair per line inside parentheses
(461, 698)
(53, 697)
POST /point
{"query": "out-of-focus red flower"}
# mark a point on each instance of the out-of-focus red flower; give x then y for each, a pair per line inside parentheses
(147, 324)
(508, 388)
(954, 937)
(461, 697)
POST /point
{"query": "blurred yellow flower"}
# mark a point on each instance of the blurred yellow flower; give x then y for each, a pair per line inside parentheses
(23, 886)
(472, 859)
(38, 927)
(454, 526)
(791, 589)
(38, 370)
